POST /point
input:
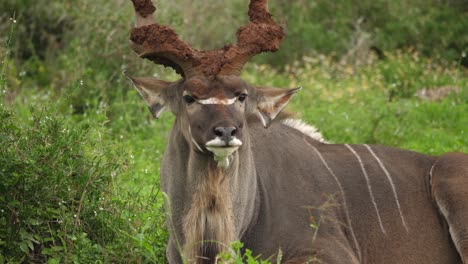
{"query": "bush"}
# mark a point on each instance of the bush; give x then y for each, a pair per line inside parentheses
(53, 191)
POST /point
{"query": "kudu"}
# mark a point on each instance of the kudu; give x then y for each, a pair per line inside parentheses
(234, 172)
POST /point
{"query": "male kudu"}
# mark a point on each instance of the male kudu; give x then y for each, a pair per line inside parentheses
(232, 173)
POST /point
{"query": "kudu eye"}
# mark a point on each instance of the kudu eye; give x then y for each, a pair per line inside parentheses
(188, 99)
(242, 97)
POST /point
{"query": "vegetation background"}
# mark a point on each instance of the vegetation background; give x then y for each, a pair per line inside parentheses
(80, 154)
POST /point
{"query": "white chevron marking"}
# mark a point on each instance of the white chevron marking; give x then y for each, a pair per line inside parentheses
(348, 218)
(368, 187)
(391, 184)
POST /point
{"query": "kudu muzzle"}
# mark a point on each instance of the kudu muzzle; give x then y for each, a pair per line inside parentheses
(224, 144)
(225, 133)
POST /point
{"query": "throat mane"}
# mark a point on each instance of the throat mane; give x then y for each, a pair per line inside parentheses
(208, 225)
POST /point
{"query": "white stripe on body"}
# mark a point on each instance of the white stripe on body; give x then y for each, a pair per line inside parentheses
(368, 187)
(348, 218)
(391, 184)
(430, 173)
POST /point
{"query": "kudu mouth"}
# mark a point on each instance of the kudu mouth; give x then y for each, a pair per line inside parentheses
(223, 149)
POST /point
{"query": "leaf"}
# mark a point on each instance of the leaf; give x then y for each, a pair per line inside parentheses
(48, 239)
(47, 251)
(30, 244)
(139, 237)
(313, 225)
(53, 261)
(24, 247)
(33, 222)
(56, 248)
(72, 237)
(279, 257)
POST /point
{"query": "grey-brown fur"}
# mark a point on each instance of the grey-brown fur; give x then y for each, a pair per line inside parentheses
(185, 169)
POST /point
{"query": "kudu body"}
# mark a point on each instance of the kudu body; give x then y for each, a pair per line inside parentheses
(234, 172)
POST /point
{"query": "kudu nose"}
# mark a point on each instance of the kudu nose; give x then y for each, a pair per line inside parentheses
(225, 133)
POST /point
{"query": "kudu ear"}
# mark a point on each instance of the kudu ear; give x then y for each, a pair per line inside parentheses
(270, 102)
(152, 91)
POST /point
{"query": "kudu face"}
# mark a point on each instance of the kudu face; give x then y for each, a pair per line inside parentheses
(212, 113)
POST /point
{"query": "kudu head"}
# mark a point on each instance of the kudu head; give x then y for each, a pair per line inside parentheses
(211, 102)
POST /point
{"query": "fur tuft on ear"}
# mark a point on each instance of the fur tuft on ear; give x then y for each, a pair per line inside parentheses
(151, 89)
(270, 102)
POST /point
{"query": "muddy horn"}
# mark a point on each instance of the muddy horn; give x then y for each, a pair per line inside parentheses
(161, 44)
(158, 43)
(262, 34)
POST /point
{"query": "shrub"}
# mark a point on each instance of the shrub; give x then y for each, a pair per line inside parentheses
(53, 191)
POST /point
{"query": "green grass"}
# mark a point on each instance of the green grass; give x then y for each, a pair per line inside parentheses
(80, 153)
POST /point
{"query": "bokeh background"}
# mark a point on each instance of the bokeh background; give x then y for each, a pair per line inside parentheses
(80, 153)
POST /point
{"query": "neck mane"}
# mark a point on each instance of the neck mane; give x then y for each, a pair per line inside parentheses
(208, 225)
(222, 202)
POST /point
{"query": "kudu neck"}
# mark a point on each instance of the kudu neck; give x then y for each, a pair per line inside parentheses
(235, 185)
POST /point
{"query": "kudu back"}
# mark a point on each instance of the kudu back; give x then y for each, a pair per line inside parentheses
(236, 169)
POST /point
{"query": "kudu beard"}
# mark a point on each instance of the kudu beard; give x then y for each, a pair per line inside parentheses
(208, 225)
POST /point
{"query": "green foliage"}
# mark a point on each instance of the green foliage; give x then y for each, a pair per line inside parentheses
(5, 49)
(60, 202)
(434, 28)
(51, 188)
(61, 199)
(43, 28)
(239, 255)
